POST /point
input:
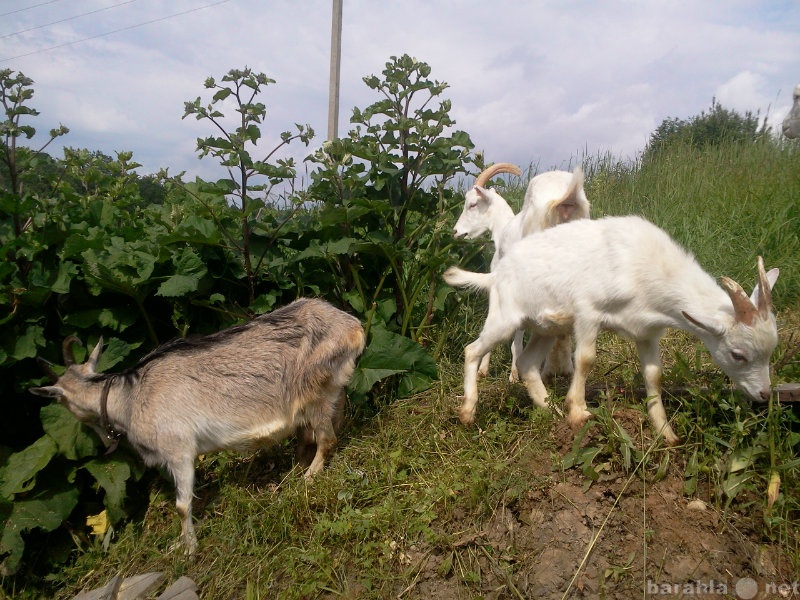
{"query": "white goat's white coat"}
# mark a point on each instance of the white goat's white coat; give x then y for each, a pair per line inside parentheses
(622, 274)
(791, 124)
(551, 198)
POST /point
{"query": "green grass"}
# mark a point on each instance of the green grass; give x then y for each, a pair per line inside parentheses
(410, 488)
(404, 485)
(726, 204)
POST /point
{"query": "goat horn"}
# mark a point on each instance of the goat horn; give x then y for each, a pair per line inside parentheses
(743, 309)
(764, 291)
(490, 172)
(66, 349)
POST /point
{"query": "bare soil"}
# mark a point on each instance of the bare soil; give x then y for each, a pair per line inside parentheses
(618, 538)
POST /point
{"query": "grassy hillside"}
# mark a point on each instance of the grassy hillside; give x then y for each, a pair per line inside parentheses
(416, 505)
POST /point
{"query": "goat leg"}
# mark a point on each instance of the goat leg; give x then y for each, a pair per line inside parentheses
(650, 358)
(183, 475)
(516, 350)
(585, 354)
(529, 367)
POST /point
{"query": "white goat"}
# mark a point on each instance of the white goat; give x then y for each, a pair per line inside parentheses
(622, 274)
(791, 124)
(551, 198)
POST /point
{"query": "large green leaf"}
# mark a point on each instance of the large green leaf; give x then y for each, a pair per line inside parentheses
(389, 353)
(66, 271)
(72, 439)
(324, 249)
(118, 318)
(189, 270)
(28, 343)
(19, 473)
(112, 474)
(114, 351)
(81, 239)
(120, 268)
(45, 511)
(194, 230)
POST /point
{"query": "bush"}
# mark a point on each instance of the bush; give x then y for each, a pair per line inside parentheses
(90, 253)
(717, 126)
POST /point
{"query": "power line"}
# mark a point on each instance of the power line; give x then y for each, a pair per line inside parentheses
(91, 12)
(107, 33)
(13, 12)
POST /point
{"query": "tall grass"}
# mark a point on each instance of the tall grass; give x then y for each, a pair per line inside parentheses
(727, 204)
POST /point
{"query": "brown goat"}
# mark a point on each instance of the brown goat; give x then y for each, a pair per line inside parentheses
(244, 387)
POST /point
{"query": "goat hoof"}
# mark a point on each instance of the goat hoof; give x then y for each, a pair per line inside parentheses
(576, 418)
(467, 417)
(670, 439)
(187, 548)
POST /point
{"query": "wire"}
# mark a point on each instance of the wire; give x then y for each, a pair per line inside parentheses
(2, 37)
(107, 33)
(13, 12)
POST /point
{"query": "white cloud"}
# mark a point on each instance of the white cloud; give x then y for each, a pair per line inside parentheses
(531, 82)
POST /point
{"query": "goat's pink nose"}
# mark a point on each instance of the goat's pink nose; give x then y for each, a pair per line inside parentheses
(765, 394)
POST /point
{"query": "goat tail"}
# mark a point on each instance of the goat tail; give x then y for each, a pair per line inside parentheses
(570, 206)
(576, 182)
(467, 279)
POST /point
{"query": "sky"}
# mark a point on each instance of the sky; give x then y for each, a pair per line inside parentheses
(536, 83)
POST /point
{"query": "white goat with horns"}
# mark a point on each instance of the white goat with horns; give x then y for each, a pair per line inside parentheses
(622, 274)
(551, 198)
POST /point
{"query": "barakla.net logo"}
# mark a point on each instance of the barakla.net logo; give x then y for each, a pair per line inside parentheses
(745, 588)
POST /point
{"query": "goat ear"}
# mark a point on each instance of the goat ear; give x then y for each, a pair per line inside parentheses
(483, 198)
(483, 193)
(95, 355)
(711, 327)
(48, 391)
(772, 277)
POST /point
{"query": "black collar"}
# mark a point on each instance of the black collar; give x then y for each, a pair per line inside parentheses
(112, 435)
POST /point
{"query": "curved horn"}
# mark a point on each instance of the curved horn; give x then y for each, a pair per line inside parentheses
(743, 309)
(764, 291)
(490, 172)
(66, 349)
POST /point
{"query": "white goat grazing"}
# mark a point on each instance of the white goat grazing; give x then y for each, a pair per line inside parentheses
(622, 274)
(791, 124)
(551, 198)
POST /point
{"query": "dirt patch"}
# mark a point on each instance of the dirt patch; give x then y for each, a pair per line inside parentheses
(621, 537)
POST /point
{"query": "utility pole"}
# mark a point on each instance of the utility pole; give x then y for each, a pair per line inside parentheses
(336, 61)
